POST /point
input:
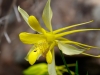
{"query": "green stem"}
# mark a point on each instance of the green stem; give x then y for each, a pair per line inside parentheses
(76, 68)
(87, 73)
(62, 56)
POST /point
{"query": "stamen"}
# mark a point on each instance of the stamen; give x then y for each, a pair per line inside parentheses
(42, 46)
(75, 25)
(74, 31)
(91, 55)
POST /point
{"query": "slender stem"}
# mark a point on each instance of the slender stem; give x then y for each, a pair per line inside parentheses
(62, 56)
(76, 68)
(87, 73)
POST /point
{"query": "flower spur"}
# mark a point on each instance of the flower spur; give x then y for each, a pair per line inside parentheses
(45, 41)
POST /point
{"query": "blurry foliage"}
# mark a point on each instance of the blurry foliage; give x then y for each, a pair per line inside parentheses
(38, 69)
(41, 69)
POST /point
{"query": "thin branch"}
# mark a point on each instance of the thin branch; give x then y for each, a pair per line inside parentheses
(6, 18)
(16, 13)
(7, 37)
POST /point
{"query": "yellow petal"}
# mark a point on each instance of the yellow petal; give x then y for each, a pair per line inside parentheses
(34, 24)
(33, 48)
(47, 15)
(32, 57)
(69, 49)
(73, 31)
(24, 14)
(62, 29)
(51, 67)
(49, 57)
(29, 38)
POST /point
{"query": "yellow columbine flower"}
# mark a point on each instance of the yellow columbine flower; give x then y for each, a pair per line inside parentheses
(44, 41)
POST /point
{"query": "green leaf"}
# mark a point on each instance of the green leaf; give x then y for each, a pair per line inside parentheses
(69, 49)
(47, 15)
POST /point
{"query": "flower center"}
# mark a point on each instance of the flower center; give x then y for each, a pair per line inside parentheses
(42, 46)
(50, 37)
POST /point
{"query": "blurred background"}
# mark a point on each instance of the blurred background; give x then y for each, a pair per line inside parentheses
(65, 13)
